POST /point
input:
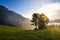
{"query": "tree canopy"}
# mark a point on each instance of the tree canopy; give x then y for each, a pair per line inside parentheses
(40, 20)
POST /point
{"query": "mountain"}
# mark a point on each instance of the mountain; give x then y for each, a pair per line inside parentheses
(55, 21)
(8, 17)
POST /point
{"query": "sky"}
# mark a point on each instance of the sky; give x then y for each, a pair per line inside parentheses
(26, 7)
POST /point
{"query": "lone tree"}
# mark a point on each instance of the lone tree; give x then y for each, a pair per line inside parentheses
(40, 20)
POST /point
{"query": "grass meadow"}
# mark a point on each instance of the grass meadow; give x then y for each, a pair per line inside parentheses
(12, 33)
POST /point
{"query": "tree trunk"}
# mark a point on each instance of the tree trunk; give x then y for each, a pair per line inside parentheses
(41, 27)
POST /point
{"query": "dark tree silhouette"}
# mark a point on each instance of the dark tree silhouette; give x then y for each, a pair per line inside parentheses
(35, 20)
(40, 20)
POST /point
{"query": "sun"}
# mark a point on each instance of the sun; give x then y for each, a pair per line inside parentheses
(49, 9)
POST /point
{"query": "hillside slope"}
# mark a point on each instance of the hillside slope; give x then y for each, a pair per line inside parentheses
(8, 17)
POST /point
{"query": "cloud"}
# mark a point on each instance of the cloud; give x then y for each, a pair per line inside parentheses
(36, 5)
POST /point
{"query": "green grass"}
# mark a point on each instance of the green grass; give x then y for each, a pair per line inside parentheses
(11, 33)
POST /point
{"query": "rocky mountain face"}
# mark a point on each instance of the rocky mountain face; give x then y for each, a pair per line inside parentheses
(8, 17)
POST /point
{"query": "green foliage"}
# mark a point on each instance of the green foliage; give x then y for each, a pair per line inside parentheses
(43, 21)
(35, 18)
(11, 33)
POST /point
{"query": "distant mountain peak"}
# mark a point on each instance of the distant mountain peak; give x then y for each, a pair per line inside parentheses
(3, 7)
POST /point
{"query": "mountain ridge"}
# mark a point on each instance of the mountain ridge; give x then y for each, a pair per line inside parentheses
(9, 17)
(55, 21)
